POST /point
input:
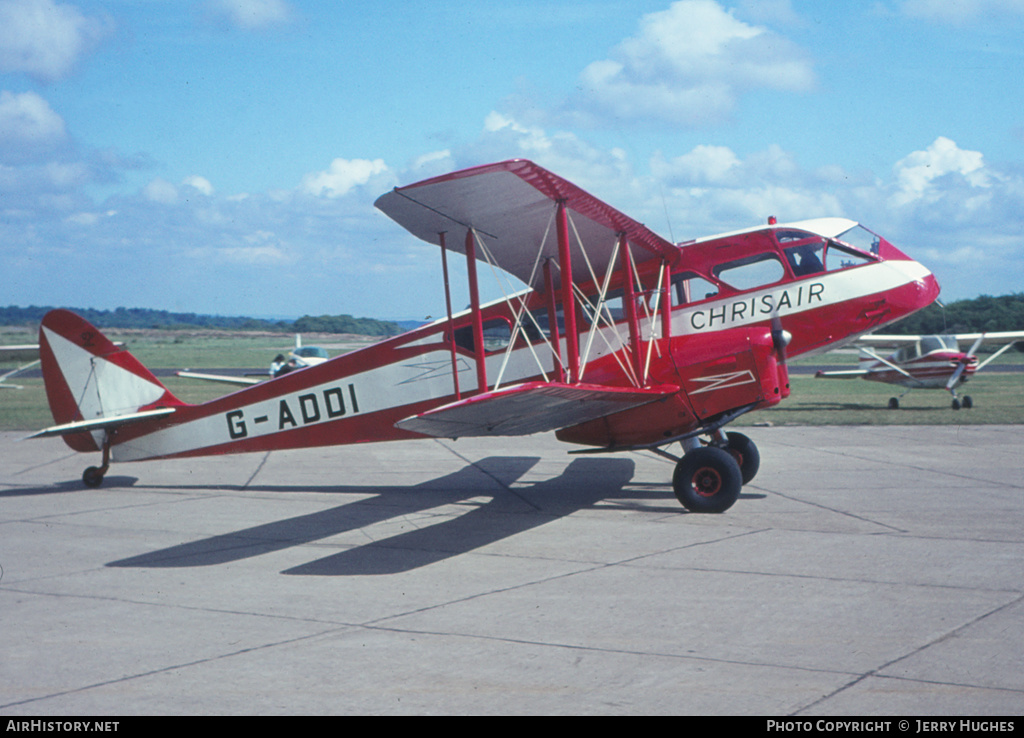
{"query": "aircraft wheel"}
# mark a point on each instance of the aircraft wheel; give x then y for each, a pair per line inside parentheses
(894, 403)
(746, 455)
(707, 480)
(968, 403)
(92, 477)
(956, 404)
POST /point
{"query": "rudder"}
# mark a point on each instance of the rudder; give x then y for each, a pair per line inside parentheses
(88, 377)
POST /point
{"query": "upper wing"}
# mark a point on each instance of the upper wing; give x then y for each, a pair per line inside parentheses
(533, 407)
(510, 204)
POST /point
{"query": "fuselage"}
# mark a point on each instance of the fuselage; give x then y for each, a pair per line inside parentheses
(825, 283)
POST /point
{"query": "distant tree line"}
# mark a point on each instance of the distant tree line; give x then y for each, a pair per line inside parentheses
(978, 315)
(145, 318)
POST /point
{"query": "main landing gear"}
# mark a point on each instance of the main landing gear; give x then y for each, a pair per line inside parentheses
(709, 478)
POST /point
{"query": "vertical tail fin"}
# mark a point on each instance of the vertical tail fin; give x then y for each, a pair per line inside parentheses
(88, 377)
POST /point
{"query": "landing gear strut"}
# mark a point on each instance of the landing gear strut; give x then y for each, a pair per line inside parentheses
(93, 476)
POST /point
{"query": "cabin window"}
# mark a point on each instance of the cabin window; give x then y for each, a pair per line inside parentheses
(497, 334)
(751, 271)
(807, 258)
(689, 287)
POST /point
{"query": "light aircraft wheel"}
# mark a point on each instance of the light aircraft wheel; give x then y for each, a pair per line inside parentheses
(707, 480)
(956, 404)
(92, 477)
(894, 403)
(745, 453)
(968, 403)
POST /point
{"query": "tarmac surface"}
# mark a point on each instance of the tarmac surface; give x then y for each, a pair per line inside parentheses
(865, 571)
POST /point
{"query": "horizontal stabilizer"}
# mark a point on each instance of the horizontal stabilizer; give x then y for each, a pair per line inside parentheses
(114, 421)
(534, 407)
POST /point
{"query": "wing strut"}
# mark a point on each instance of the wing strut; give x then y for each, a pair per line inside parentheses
(451, 323)
(568, 303)
(478, 319)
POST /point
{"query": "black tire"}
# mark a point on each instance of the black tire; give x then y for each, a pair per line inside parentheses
(968, 403)
(956, 404)
(707, 480)
(894, 403)
(746, 454)
(92, 477)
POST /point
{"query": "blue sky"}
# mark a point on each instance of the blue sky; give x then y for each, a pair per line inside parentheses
(223, 156)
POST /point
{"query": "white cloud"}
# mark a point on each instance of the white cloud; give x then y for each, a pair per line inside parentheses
(343, 175)
(161, 191)
(199, 183)
(688, 65)
(45, 39)
(26, 119)
(253, 14)
(916, 173)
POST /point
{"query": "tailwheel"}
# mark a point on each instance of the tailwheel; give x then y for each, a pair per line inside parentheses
(707, 480)
(746, 454)
(93, 476)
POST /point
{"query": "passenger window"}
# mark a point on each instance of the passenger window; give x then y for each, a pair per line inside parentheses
(751, 272)
(689, 287)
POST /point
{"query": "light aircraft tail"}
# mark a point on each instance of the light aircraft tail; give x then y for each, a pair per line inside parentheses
(93, 385)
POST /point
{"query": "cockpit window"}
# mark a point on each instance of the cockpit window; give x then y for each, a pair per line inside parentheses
(839, 257)
(860, 238)
(751, 271)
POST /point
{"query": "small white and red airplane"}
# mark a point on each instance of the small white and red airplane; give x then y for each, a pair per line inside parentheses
(15, 352)
(924, 362)
(621, 340)
(299, 357)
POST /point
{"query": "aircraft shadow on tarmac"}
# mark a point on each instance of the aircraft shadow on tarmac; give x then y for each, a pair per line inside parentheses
(509, 511)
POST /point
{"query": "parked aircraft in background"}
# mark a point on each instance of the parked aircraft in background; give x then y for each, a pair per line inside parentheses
(925, 362)
(17, 352)
(621, 341)
(298, 358)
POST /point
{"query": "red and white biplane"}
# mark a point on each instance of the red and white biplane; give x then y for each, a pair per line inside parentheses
(621, 340)
(924, 362)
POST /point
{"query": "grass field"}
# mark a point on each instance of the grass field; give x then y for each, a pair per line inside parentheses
(998, 397)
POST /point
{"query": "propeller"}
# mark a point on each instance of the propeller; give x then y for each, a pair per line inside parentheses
(964, 361)
(780, 337)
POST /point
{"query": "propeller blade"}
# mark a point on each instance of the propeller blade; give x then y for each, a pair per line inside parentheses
(956, 376)
(780, 337)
